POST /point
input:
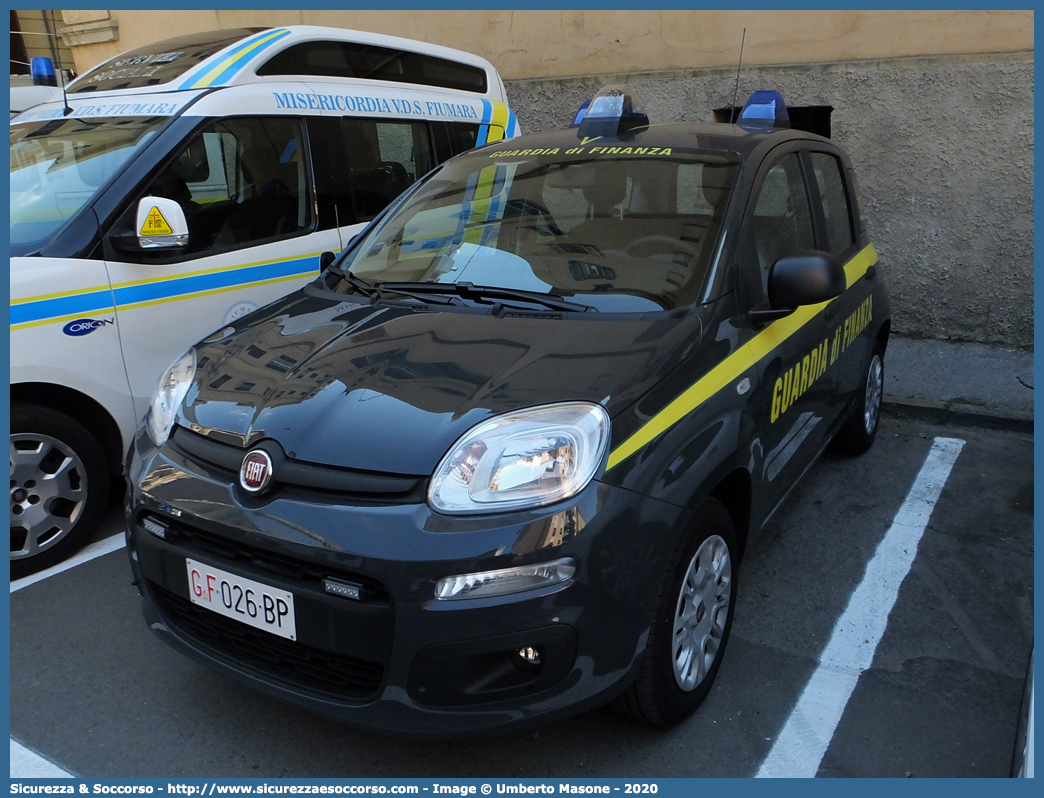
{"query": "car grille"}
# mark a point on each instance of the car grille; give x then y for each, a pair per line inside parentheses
(284, 660)
(320, 481)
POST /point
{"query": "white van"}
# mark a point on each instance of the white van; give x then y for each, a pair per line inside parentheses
(179, 187)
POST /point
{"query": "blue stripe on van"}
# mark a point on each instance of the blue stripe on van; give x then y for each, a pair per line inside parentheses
(133, 294)
(62, 306)
(154, 292)
(487, 111)
(483, 134)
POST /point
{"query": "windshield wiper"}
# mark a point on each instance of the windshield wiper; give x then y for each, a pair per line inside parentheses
(373, 291)
(360, 285)
(486, 292)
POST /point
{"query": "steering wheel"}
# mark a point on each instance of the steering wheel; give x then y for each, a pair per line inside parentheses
(662, 245)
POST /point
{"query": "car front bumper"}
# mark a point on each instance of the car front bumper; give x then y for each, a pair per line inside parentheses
(398, 660)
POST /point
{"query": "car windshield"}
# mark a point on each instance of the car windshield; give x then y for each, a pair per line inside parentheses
(623, 231)
(58, 165)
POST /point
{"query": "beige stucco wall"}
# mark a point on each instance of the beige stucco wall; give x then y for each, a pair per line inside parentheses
(540, 44)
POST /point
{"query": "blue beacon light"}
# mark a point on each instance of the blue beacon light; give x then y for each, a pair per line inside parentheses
(614, 111)
(42, 70)
(580, 112)
(764, 108)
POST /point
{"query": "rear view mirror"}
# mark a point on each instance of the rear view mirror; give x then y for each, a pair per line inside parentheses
(161, 223)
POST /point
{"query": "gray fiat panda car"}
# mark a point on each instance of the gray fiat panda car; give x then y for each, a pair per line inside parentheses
(500, 463)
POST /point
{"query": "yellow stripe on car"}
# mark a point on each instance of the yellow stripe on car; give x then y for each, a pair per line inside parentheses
(730, 369)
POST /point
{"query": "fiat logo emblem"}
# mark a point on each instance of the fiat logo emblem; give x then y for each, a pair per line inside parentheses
(256, 471)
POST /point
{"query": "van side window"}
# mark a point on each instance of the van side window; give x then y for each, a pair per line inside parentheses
(241, 181)
(384, 159)
(835, 202)
(371, 62)
(453, 138)
(782, 223)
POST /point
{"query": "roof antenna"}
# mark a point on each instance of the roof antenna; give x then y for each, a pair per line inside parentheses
(735, 91)
(67, 109)
(51, 36)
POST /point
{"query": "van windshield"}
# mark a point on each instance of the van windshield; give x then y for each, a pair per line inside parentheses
(618, 233)
(58, 165)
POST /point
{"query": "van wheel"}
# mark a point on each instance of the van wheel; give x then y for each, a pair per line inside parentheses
(691, 626)
(59, 487)
(859, 432)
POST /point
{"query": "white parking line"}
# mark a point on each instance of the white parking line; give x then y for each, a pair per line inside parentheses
(96, 549)
(804, 738)
(27, 764)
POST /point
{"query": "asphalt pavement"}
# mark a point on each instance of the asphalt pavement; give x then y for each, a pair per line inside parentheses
(93, 690)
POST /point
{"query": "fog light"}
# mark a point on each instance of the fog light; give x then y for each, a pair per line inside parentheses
(505, 580)
(528, 659)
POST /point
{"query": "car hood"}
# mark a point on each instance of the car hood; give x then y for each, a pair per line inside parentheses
(389, 387)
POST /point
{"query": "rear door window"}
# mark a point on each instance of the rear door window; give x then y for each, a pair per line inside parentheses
(836, 209)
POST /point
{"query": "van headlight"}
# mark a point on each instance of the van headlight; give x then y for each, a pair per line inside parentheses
(526, 458)
(173, 386)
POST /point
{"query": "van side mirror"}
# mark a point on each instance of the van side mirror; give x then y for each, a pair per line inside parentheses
(325, 259)
(161, 224)
(806, 278)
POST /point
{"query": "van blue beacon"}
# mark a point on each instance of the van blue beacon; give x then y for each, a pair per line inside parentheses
(500, 463)
(176, 188)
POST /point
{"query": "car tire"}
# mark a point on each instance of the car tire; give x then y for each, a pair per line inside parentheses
(859, 432)
(59, 487)
(690, 630)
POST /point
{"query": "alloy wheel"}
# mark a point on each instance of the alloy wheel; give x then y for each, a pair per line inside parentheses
(702, 612)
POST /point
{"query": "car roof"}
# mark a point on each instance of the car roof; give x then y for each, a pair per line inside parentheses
(723, 137)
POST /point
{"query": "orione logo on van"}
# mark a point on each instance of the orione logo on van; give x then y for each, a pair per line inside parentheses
(84, 326)
(256, 471)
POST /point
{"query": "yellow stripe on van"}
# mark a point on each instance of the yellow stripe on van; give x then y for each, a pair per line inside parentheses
(242, 55)
(498, 124)
(60, 294)
(732, 367)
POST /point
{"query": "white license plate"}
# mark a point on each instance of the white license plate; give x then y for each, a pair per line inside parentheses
(244, 600)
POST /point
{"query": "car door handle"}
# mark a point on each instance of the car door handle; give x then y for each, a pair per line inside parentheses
(832, 310)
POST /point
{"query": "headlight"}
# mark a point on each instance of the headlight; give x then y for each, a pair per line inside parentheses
(171, 390)
(525, 458)
(505, 580)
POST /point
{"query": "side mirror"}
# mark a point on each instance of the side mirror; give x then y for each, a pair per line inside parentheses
(161, 223)
(805, 279)
(325, 260)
